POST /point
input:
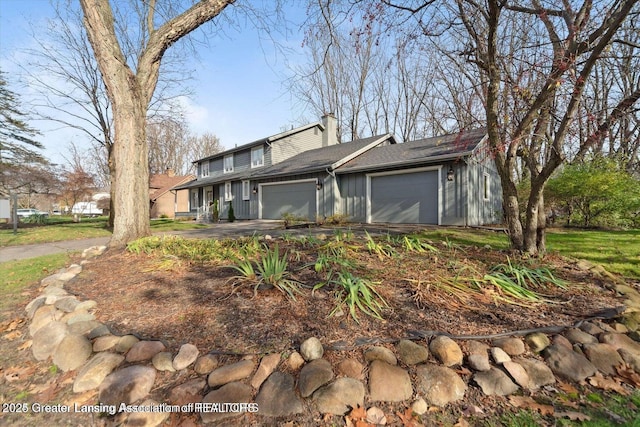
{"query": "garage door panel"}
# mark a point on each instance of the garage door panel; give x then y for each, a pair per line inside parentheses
(298, 199)
(410, 198)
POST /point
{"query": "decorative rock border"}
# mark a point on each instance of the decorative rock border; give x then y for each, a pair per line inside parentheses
(123, 369)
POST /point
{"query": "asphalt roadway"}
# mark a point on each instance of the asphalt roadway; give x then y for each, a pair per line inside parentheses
(214, 231)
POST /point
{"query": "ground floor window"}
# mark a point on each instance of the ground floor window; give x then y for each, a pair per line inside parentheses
(246, 190)
(228, 194)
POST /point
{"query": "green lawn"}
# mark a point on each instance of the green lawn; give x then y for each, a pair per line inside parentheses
(63, 228)
(617, 251)
(16, 275)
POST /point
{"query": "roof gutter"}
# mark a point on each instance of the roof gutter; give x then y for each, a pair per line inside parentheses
(412, 162)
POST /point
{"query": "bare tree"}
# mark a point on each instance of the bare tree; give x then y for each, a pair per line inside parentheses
(529, 65)
(130, 84)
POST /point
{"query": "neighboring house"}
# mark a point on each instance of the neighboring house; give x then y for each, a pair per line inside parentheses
(164, 201)
(443, 180)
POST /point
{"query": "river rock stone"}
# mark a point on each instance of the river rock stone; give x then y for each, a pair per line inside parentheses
(47, 339)
(477, 347)
(577, 336)
(446, 350)
(87, 305)
(479, 362)
(163, 361)
(439, 385)
(351, 368)
(562, 341)
(277, 397)
(411, 353)
(233, 392)
(311, 349)
(189, 392)
(295, 361)
(495, 382)
(420, 406)
(95, 370)
(633, 359)
(537, 341)
(99, 331)
(67, 304)
(34, 305)
(230, 373)
(539, 373)
(518, 373)
(499, 355)
(125, 343)
(83, 328)
(147, 419)
(604, 357)
(205, 364)
(568, 364)
(72, 352)
(511, 345)
(340, 396)
(187, 354)
(43, 316)
(144, 350)
(619, 341)
(388, 383)
(106, 342)
(78, 316)
(314, 375)
(380, 353)
(127, 385)
(268, 364)
(591, 328)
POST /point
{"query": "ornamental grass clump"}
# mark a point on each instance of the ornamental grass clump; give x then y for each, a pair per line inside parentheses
(358, 294)
(270, 271)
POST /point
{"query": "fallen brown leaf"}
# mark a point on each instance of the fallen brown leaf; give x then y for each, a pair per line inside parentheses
(11, 325)
(527, 402)
(25, 345)
(407, 418)
(461, 423)
(628, 374)
(567, 388)
(17, 373)
(606, 383)
(12, 335)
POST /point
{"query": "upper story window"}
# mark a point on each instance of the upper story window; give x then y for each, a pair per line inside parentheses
(228, 163)
(257, 157)
(204, 168)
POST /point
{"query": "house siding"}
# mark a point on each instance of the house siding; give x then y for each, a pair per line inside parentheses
(353, 196)
(289, 146)
(454, 194)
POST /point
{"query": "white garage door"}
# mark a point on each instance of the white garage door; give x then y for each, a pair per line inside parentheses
(406, 198)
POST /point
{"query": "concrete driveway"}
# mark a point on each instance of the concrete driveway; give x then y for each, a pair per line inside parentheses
(214, 231)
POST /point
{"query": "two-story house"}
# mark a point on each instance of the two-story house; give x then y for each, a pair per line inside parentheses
(228, 176)
(305, 172)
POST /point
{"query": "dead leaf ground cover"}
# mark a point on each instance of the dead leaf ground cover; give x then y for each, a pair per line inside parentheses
(171, 297)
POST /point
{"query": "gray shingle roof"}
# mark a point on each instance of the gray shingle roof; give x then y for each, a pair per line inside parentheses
(422, 151)
(315, 160)
(318, 159)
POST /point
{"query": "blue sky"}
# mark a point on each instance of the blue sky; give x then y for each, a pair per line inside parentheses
(239, 88)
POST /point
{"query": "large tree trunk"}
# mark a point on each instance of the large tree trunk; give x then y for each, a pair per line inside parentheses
(131, 155)
(130, 94)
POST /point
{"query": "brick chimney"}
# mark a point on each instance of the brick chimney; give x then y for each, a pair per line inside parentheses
(330, 134)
